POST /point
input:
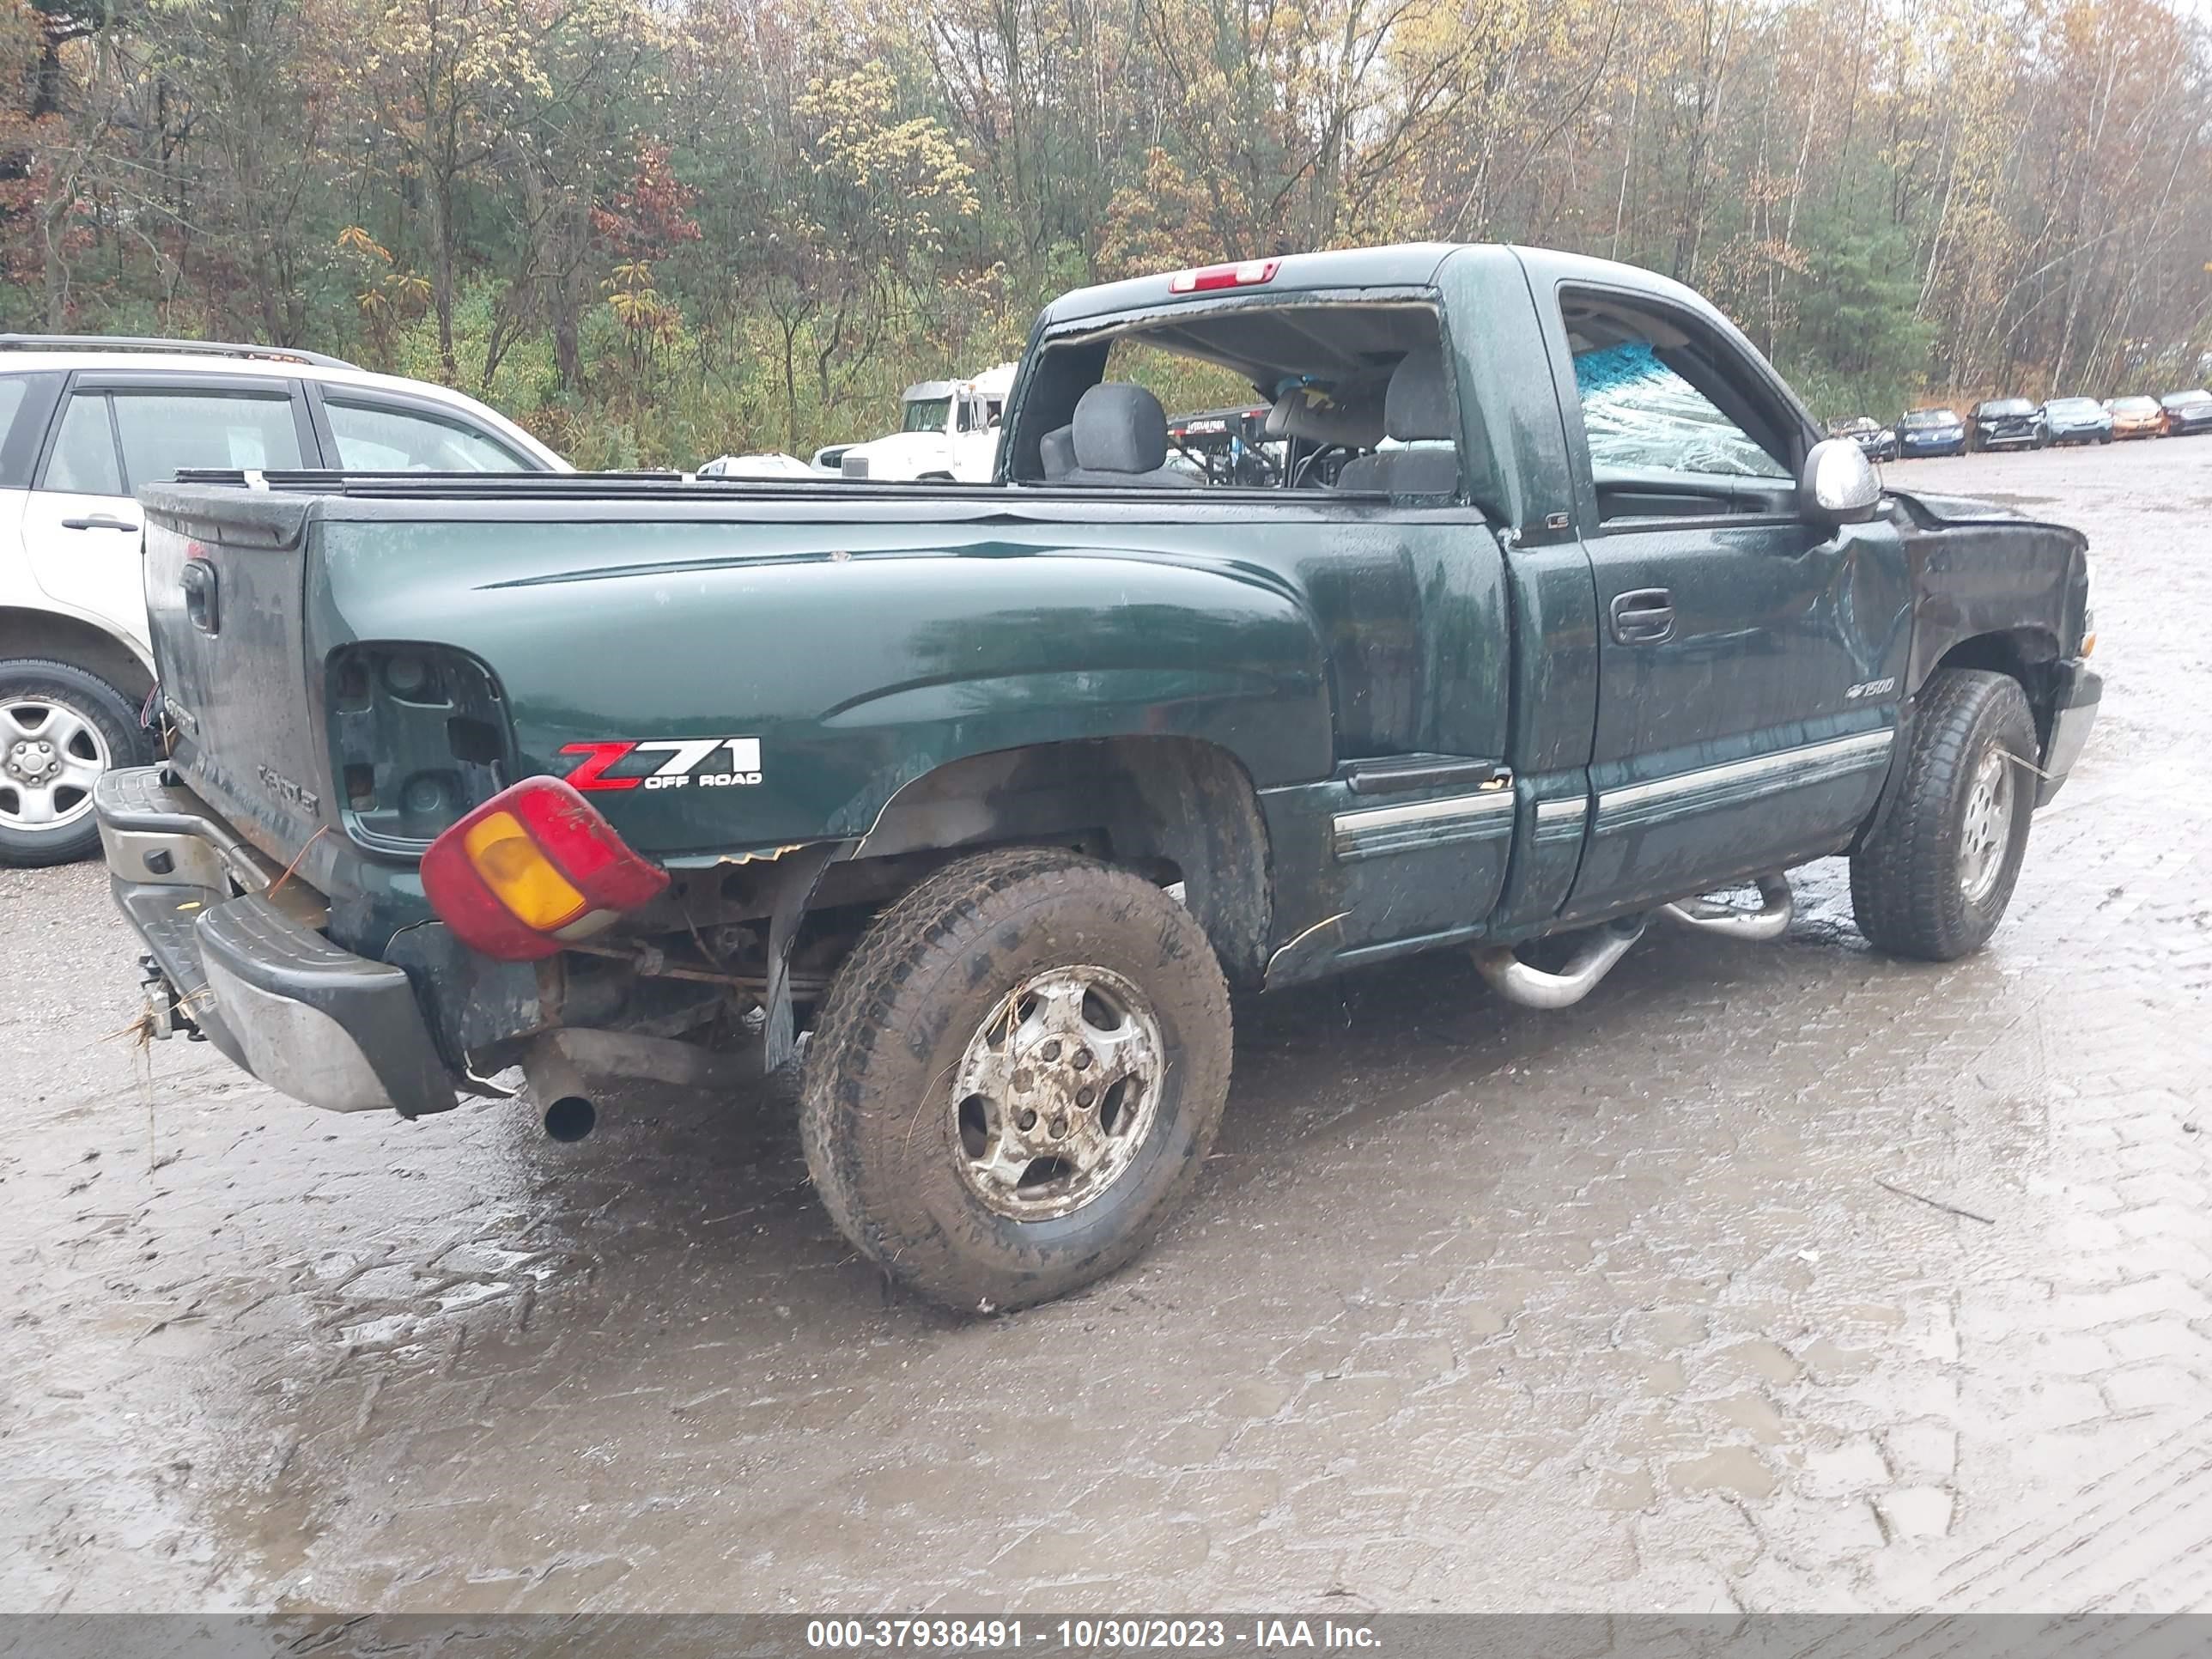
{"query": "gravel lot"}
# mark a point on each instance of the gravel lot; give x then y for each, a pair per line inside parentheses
(1639, 1306)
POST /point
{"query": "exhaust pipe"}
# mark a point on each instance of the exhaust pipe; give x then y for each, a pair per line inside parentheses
(1770, 920)
(558, 1089)
(1532, 987)
(556, 1064)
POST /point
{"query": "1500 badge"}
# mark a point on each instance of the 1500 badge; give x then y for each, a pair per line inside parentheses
(666, 763)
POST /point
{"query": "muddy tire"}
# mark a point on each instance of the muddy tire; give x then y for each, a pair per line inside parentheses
(60, 728)
(1934, 880)
(1015, 1078)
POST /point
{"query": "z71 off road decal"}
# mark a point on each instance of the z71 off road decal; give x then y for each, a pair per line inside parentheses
(666, 763)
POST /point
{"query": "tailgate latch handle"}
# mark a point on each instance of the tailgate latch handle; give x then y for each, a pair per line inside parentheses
(199, 579)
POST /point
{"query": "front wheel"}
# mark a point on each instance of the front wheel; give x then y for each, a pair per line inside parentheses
(1934, 879)
(60, 728)
(1015, 1078)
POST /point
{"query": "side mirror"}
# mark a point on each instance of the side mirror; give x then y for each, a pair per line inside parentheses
(1838, 485)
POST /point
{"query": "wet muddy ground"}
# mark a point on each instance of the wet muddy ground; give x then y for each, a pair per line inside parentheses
(1775, 1276)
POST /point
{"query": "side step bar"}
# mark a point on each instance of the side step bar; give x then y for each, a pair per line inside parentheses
(1532, 987)
(1770, 920)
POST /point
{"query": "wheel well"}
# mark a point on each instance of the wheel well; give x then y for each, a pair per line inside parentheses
(2026, 654)
(1177, 808)
(64, 639)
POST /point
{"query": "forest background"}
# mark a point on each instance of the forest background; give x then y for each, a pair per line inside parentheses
(656, 231)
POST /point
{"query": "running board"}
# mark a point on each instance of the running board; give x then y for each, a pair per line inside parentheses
(1770, 920)
(1532, 987)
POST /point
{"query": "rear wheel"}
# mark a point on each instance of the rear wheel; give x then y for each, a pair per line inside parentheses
(1016, 1077)
(60, 728)
(1934, 879)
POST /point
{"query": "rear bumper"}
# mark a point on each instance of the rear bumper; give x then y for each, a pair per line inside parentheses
(254, 972)
(2080, 690)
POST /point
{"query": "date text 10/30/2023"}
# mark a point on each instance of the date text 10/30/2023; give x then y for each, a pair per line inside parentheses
(1107, 1635)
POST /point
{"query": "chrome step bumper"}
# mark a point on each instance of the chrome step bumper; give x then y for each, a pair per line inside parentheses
(250, 968)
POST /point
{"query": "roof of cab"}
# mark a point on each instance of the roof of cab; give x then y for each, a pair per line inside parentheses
(1405, 264)
(1400, 265)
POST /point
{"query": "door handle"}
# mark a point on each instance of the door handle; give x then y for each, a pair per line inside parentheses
(101, 521)
(1643, 615)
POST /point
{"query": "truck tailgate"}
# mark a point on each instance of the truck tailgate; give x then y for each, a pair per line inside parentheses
(225, 596)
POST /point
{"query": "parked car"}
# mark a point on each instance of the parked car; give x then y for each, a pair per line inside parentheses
(948, 433)
(2135, 417)
(1930, 432)
(2076, 421)
(2187, 412)
(86, 420)
(765, 464)
(1876, 442)
(2004, 423)
(995, 791)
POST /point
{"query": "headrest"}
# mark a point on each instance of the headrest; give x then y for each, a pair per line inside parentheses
(1056, 452)
(1322, 417)
(1119, 427)
(1418, 403)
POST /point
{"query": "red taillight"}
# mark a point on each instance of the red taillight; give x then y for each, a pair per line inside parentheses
(1250, 273)
(533, 866)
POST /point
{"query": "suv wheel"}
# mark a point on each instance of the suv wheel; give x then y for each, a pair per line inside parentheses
(1016, 1077)
(60, 728)
(1934, 879)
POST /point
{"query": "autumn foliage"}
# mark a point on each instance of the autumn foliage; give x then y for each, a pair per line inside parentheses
(656, 232)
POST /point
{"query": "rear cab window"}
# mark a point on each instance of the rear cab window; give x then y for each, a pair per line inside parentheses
(1290, 393)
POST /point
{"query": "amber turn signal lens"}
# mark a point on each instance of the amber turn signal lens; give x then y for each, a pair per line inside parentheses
(522, 878)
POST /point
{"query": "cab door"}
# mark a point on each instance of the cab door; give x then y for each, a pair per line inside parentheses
(1749, 657)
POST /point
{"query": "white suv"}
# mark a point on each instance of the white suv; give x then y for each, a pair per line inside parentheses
(86, 420)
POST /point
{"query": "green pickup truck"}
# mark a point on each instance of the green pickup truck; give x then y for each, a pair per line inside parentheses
(1560, 619)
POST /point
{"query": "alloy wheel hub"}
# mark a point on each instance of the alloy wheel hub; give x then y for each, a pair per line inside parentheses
(33, 762)
(1057, 1092)
(50, 757)
(1986, 832)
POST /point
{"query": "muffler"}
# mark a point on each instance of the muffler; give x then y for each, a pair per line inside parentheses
(1770, 920)
(1532, 987)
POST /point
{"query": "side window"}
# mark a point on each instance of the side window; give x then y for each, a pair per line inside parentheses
(84, 462)
(1639, 413)
(165, 432)
(382, 438)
